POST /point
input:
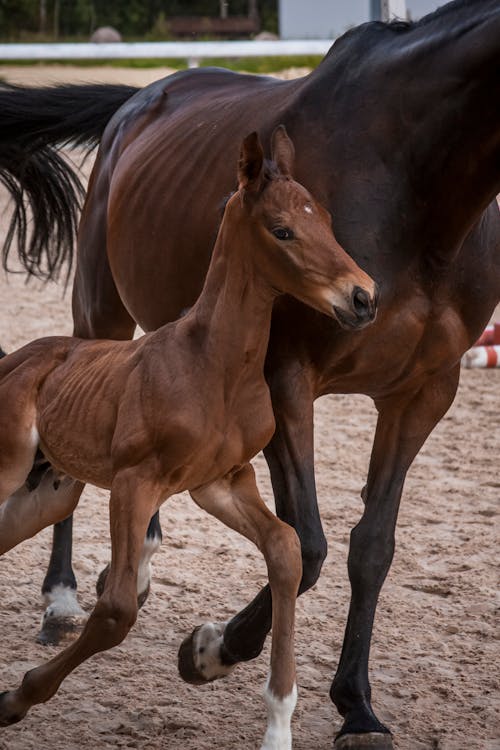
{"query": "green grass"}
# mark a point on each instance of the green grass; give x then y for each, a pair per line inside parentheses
(248, 64)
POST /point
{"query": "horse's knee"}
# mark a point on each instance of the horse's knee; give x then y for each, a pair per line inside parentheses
(313, 557)
(284, 557)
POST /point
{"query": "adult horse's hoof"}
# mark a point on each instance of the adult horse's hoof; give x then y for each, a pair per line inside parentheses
(99, 587)
(199, 659)
(63, 619)
(8, 715)
(375, 740)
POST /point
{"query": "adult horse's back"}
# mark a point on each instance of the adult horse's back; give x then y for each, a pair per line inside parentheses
(398, 133)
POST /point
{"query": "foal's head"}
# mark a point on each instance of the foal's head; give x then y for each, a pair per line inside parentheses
(291, 236)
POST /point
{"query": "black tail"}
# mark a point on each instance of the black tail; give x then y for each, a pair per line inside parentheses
(34, 124)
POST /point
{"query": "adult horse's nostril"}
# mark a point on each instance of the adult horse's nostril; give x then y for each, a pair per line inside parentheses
(361, 303)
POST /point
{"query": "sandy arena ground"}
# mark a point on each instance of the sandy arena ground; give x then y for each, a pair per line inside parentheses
(434, 664)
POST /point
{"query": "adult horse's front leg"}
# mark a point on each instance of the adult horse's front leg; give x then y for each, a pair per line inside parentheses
(403, 426)
(291, 463)
(133, 500)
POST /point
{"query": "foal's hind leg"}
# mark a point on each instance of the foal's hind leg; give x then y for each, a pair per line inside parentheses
(133, 500)
(97, 313)
(237, 503)
(24, 513)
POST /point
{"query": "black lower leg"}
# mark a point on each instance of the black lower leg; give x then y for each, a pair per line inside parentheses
(60, 571)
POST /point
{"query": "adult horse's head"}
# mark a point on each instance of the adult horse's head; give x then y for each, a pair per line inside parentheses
(292, 233)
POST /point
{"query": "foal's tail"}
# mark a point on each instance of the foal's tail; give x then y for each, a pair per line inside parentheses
(35, 123)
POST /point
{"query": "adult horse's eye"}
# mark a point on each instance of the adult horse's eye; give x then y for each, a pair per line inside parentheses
(282, 233)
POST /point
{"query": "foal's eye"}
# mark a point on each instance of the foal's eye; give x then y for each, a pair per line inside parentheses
(282, 233)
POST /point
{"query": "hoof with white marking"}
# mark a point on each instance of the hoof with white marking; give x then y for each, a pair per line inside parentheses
(63, 619)
(374, 740)
(8, 713)
(199, 657)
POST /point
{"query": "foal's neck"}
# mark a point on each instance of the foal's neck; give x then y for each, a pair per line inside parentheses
(233, 311)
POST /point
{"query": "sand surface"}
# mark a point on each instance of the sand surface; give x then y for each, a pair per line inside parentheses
(434, 665)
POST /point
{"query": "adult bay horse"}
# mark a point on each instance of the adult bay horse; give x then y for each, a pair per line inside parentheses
(184, 408)
(405, 155)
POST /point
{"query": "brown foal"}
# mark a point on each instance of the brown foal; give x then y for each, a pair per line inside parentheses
(183, 408)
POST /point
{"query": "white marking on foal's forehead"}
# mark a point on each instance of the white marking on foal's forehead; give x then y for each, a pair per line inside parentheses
(308, 208)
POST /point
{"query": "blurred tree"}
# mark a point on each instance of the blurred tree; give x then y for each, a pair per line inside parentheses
(17, 16)
(132, 18)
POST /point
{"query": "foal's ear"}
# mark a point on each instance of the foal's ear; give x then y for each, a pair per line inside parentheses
(282, 151)
(250, 164)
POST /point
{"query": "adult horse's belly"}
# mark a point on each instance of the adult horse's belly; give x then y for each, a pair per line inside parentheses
(169, 185)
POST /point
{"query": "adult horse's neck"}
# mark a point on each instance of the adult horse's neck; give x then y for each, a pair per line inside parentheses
(233, 311)
(425, 100)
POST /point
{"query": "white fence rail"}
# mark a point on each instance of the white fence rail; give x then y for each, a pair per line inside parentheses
(190, 51)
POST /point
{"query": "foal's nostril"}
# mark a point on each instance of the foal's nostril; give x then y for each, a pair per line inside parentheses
(361, 302)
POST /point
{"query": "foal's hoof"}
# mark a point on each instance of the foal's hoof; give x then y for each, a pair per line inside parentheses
(199, 659)
(186, 662)
(8, 715)
(99, 587)
(375, 740)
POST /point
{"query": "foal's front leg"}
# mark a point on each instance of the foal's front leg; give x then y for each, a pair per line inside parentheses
(133, 500)
(290, 457)
(237, 503)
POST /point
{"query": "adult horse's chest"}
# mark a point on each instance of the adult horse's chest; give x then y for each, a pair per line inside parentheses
(405, 346)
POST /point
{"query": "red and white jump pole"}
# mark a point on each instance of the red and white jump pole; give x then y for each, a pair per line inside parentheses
(486, 350)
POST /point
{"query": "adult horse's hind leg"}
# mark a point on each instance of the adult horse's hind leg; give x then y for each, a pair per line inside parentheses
(63, 614)
(403, 426)
(237, 503)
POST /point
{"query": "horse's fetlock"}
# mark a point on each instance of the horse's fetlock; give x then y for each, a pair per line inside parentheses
(347, 694)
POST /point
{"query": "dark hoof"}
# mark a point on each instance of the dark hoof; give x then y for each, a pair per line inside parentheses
(7, 716)
(374, 740)
(56, 630)
(101, 582)
(185, 661)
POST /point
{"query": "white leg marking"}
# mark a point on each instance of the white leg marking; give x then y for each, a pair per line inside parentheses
(207, 643)
(61, 602)
(150, 547)
(279, 716)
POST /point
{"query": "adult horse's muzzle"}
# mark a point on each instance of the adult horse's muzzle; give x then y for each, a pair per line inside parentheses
(361, 311)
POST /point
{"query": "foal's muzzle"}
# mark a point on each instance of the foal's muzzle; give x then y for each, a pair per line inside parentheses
(362, 309)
